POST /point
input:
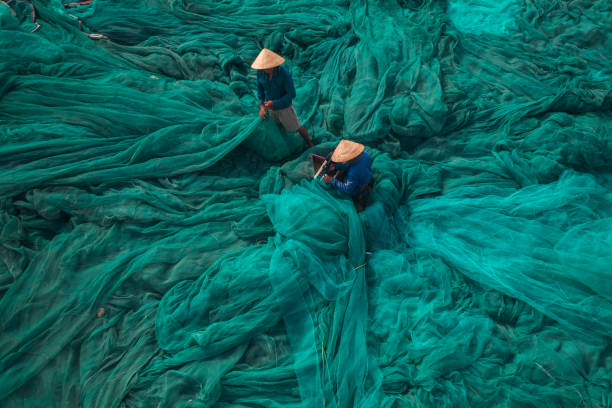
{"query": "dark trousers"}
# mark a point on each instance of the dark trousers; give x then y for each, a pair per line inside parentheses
(360, 199)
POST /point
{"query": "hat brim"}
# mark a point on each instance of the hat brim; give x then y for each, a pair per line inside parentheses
(267, 59)
(347, 150)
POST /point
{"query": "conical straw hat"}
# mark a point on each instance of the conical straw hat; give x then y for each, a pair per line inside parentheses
(267, 59)
(346, 150)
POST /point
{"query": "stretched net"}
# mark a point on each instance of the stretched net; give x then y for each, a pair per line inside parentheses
(163, 246)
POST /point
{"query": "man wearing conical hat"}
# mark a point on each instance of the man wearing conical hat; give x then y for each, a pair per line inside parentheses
(352, 161)
(275, 91)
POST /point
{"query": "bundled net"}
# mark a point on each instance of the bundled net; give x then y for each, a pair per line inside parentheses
(161, 245)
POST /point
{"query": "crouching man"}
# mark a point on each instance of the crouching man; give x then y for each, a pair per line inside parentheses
(350, 171)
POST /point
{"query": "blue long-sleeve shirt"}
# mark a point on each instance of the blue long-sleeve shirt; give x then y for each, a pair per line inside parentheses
(358, 176)
(279, 89)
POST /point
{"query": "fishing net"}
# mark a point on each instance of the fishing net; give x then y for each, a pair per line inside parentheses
(161, 245)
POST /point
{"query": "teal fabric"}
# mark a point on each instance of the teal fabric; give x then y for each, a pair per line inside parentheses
(162, 246)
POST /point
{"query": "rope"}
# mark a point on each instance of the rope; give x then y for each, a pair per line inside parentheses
(74, 4)
(6, 3)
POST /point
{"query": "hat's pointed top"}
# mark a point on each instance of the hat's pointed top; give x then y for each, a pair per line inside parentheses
(267, 59)
(346, 150)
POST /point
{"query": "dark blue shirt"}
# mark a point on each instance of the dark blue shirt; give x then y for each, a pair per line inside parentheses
(358, 176)
(279, 89)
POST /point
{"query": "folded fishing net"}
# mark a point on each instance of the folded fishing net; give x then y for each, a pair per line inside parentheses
(163, 246)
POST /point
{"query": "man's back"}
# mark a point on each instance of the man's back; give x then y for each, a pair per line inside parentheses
(279, 88)
(358, 176)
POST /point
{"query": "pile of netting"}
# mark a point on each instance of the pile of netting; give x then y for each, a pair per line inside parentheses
(162, 246)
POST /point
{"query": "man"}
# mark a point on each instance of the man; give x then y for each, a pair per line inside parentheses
(353, 164)
(275, 91)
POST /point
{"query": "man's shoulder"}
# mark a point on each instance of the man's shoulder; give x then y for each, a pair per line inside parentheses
(366, 160)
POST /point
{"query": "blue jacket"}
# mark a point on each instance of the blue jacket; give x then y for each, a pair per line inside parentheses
(279, 89)
(358, 176)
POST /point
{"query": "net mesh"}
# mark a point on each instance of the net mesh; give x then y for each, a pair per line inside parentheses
(163, 246)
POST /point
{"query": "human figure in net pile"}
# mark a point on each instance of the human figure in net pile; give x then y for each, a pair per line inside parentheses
(350, 171)
(275, 91)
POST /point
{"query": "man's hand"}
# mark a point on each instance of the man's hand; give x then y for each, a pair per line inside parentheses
(262, 111)
(327, 179)
(269, 104)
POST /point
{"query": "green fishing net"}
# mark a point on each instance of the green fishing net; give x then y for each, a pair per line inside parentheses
(162, 246)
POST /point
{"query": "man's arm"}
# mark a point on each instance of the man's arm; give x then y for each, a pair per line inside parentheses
(260, 92)
(261, 96)
(349, 185)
